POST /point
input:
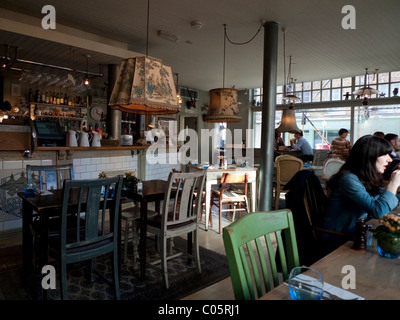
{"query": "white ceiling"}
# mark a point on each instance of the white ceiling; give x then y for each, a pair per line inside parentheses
(319, 46)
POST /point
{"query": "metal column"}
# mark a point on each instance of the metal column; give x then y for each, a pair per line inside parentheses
(113, 116)
(271, 30)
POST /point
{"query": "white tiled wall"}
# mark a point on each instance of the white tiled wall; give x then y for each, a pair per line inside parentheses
(89, 168)
(86, 168)
(14, 169)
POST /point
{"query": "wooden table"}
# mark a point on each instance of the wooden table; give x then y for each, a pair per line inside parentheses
(214, 175)
(376, 278)
(153, 191)
(45, 206)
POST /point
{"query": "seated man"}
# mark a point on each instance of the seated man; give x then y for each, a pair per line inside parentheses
(301, 144)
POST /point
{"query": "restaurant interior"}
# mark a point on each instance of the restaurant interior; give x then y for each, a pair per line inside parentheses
(167, 93)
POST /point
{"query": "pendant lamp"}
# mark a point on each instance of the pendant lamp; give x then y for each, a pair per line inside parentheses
(288, 122)
(145, 85)
(223, 106)
(365, 92)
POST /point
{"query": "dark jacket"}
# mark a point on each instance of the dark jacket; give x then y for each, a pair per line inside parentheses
(306, 183)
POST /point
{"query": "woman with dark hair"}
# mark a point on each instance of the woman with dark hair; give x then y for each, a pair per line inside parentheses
(356, 192)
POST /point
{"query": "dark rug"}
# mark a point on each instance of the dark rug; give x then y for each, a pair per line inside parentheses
(184, 278)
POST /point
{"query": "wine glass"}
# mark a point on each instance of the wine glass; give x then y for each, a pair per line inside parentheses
(305, 284)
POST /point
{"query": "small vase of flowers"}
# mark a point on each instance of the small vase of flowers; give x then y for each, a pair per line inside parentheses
(388, 236)
(129, 180)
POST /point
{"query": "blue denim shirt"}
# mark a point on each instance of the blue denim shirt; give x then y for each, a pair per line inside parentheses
(304, 146)
(350, 202)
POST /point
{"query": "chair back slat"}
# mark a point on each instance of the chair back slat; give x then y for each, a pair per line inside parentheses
(181, 196)
(249, 248)
(91, 206)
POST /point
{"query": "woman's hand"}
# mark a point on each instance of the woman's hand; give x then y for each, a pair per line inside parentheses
(394, 182)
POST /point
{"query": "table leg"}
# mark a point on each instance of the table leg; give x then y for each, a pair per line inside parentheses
(208, 199)
(27, 240)
(253, 196)
(143, 237)
(190, 246)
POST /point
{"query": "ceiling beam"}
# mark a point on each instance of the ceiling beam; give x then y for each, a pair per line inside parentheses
(62, 34)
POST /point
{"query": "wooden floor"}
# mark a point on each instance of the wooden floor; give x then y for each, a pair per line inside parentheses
(11, 257)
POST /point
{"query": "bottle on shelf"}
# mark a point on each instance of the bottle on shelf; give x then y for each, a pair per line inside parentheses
(47, 97)
(61, 98)
(30, 95)
(57, 98)
(42, 97)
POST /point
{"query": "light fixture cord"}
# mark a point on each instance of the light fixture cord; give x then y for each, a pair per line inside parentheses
(235, 43)
(246, 42)
(147, 34)
(284, 63)
(223, 69)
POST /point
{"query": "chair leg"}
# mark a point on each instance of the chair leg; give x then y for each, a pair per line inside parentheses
(164, 267)
(116, 275)
(126, 240)
(135, 242)
(220, 217)
(196, 249)
(63, 280)
(277, 196)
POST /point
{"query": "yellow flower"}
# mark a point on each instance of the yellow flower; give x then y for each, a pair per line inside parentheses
(102, 175)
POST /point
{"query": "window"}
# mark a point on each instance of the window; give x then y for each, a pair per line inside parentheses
(319, 124)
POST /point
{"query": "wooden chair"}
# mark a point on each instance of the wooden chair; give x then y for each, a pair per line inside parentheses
(308, 203)
(315, 203)
(286, 167)
(179, 216)
(98, 237)
(250, 251)
(231, 196)
(320, 156)
(330, 167)
(49, 177)
(131, 230)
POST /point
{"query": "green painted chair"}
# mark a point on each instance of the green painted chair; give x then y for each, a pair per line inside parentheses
(100, 215)
(250, 250)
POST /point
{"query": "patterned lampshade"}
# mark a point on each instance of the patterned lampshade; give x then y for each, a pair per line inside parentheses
(144, 86)
(223, 106)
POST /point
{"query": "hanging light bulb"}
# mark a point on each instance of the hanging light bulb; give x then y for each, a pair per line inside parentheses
(86, 82)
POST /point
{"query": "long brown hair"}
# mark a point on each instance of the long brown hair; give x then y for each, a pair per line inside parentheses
(362, 163)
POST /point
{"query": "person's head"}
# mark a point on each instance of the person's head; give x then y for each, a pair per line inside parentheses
(394, 140)
(379, 134)
(367, 160)
(277, 134)
(343, 133)
(298, 134)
